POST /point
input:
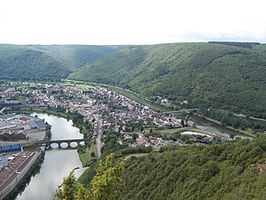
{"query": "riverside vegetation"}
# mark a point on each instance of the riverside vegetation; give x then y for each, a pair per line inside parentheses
(78, 121)
(222, 79)
(227, 170)
(229, 76)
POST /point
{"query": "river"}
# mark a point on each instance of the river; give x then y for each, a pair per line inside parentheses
(57, 163)
(215, 129)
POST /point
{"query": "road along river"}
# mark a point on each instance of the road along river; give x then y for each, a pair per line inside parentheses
(57, 163)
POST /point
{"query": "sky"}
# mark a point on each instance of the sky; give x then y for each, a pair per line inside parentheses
(131, 21)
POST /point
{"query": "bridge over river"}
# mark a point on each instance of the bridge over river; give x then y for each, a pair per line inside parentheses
(48, 143)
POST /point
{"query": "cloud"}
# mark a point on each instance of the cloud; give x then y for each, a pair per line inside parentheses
(130, 22)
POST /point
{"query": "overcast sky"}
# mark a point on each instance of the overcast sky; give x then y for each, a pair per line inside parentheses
(130, 21)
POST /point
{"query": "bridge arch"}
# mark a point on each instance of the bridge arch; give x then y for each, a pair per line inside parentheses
(63, 144)
(67, 143)
(74, 144)
(54, 145)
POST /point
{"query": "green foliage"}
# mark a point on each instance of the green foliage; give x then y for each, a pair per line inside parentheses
(227, 118)
(82, 193)
(75, 56)
(218, 171)
(108, 183)
(68, 189)
(111, 145)
(21, 63)
(227, 170)
(46, 63)
(206, 74)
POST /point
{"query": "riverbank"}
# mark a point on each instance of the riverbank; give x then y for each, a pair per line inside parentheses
(235, 131)
(78, 121)
(19, 181)
(57, 162)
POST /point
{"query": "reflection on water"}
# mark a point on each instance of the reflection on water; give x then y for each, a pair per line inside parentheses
(57, 163)
(213, 128)
(61, 128)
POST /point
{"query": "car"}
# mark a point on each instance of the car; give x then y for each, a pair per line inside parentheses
(10, 158)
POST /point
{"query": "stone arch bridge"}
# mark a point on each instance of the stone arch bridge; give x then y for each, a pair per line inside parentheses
(48, 143)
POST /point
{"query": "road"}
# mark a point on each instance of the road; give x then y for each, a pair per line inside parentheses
(244, 116)
(99, 132)
(15, 170)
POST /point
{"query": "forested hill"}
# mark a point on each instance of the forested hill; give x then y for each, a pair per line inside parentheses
(76, 55)
(225, 171)
(48, 62)
(221, 171)
(227, 75)
(224, 75)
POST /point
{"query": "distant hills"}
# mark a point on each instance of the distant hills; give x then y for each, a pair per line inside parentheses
(224, 75)
(47, 62)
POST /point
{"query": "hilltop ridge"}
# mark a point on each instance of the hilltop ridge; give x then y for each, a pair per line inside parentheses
(204, 74)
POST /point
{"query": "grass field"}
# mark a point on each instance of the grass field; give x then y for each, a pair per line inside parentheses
(83, 86)
(86, 157)
(170, 131)
(23, 86)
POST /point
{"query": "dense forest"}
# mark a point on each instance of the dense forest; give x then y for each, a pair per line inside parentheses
(76, 56)
(219, 171)
(228, 119)
(42, 63)
(220, 75)
(227, 170)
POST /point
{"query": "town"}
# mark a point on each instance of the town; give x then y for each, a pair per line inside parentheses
(104, 109)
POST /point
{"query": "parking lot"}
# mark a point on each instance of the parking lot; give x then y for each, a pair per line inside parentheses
(13, 166)
(4, 158)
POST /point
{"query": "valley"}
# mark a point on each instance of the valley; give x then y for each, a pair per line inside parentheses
(135, 104)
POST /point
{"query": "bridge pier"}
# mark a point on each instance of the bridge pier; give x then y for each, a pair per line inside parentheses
(48, 143)
(79, 145)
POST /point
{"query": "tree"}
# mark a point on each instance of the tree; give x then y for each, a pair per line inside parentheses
(236, 124)
(82, 193)
(134, 136)
(67, 190)
(109, 181)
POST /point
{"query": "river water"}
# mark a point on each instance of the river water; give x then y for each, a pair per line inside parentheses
(57, 163)
(215, 129)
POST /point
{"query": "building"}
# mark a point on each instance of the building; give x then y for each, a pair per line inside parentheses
(9, 148)
(39, 124)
